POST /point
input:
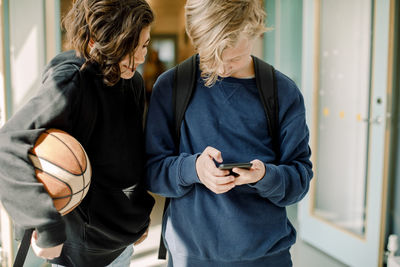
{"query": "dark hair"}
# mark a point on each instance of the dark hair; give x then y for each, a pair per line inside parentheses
(113, 25)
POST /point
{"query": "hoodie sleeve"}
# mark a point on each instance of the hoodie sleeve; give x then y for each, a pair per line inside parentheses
(288, 182)
(168, 174)
(22, 195)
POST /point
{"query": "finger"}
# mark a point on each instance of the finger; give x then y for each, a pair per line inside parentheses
(240, 171)
(241, 180)
(34, 235)
(214, 153)
(257, 164)
(220, 189)
(224, 180)
(140, 240)
(218, 172)
(219, 180)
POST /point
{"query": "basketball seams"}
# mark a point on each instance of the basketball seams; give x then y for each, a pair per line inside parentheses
(76, 158)
(72, 152)
(73, 194)
(70, 188)
(38, 161)
(61, 167)
(42, 161)
(69, 196)
(57, 158)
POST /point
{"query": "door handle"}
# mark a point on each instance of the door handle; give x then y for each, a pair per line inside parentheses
(376, 120)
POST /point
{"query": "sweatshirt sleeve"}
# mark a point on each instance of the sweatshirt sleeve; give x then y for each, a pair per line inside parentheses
(288, 182)
(21, 194)
(168, 174)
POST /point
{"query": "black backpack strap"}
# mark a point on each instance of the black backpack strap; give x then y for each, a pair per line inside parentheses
(266, 84)
(184, 83)
(182, 91)
(23, 248)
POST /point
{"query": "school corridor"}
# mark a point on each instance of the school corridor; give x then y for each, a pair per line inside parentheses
(342, 54)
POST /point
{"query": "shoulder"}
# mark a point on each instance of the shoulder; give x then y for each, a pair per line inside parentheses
(288, 92)
(290, 99)
(164, 83)
(285, 85)
(63, 68)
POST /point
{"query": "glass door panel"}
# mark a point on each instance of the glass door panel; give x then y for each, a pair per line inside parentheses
(343, 100)
(346, 80)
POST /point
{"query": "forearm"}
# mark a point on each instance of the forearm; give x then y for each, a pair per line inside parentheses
(172, 176)
(284, 185)
(22, 195)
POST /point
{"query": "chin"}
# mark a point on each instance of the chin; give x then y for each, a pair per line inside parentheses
(127, 76)
(224, 75)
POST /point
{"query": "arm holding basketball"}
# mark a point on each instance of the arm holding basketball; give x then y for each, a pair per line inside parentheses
(22, 195)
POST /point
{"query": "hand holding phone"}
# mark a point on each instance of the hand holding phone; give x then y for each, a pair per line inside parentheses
(209, 175)
(230, 166)
(252, 175)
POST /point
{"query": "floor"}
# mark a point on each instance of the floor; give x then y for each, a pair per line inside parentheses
(146, 253)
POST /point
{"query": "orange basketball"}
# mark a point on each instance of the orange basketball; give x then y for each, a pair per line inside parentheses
(63, 167)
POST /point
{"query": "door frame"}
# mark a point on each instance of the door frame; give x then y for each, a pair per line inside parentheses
(311, 226)
(7, 249)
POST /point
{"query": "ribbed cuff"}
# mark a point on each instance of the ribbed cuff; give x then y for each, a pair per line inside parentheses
(187, 171)
(269, 182)
(51, 235)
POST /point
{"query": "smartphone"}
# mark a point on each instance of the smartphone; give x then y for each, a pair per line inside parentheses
(230, 166)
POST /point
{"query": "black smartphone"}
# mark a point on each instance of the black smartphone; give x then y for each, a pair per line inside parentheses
(230, 166)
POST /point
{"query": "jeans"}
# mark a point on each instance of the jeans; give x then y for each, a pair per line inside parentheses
(123, 260)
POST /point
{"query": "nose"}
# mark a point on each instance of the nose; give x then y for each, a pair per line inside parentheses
(140, 56)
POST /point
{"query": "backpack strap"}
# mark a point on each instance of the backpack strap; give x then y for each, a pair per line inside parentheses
(266, 84)
(182, 91)
(23, 248)
(184, 84)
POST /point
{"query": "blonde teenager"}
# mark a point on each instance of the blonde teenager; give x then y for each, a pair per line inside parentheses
(214, 218)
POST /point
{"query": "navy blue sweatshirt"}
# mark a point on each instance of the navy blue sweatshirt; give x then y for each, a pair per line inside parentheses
(248, 224)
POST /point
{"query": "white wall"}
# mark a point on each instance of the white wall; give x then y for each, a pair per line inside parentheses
(27, 49)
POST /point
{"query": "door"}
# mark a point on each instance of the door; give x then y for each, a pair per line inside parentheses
(347, 51)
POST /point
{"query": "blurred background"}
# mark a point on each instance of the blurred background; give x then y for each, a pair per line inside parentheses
(343, 55)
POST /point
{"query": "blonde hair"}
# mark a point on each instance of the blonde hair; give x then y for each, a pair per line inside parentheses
(214, 25)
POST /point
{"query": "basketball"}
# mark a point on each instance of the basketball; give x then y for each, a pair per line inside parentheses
(63, 167)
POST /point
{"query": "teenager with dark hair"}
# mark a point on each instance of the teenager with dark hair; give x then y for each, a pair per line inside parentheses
(94, 93)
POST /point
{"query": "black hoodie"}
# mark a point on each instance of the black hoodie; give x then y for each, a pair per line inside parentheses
(108, 122)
